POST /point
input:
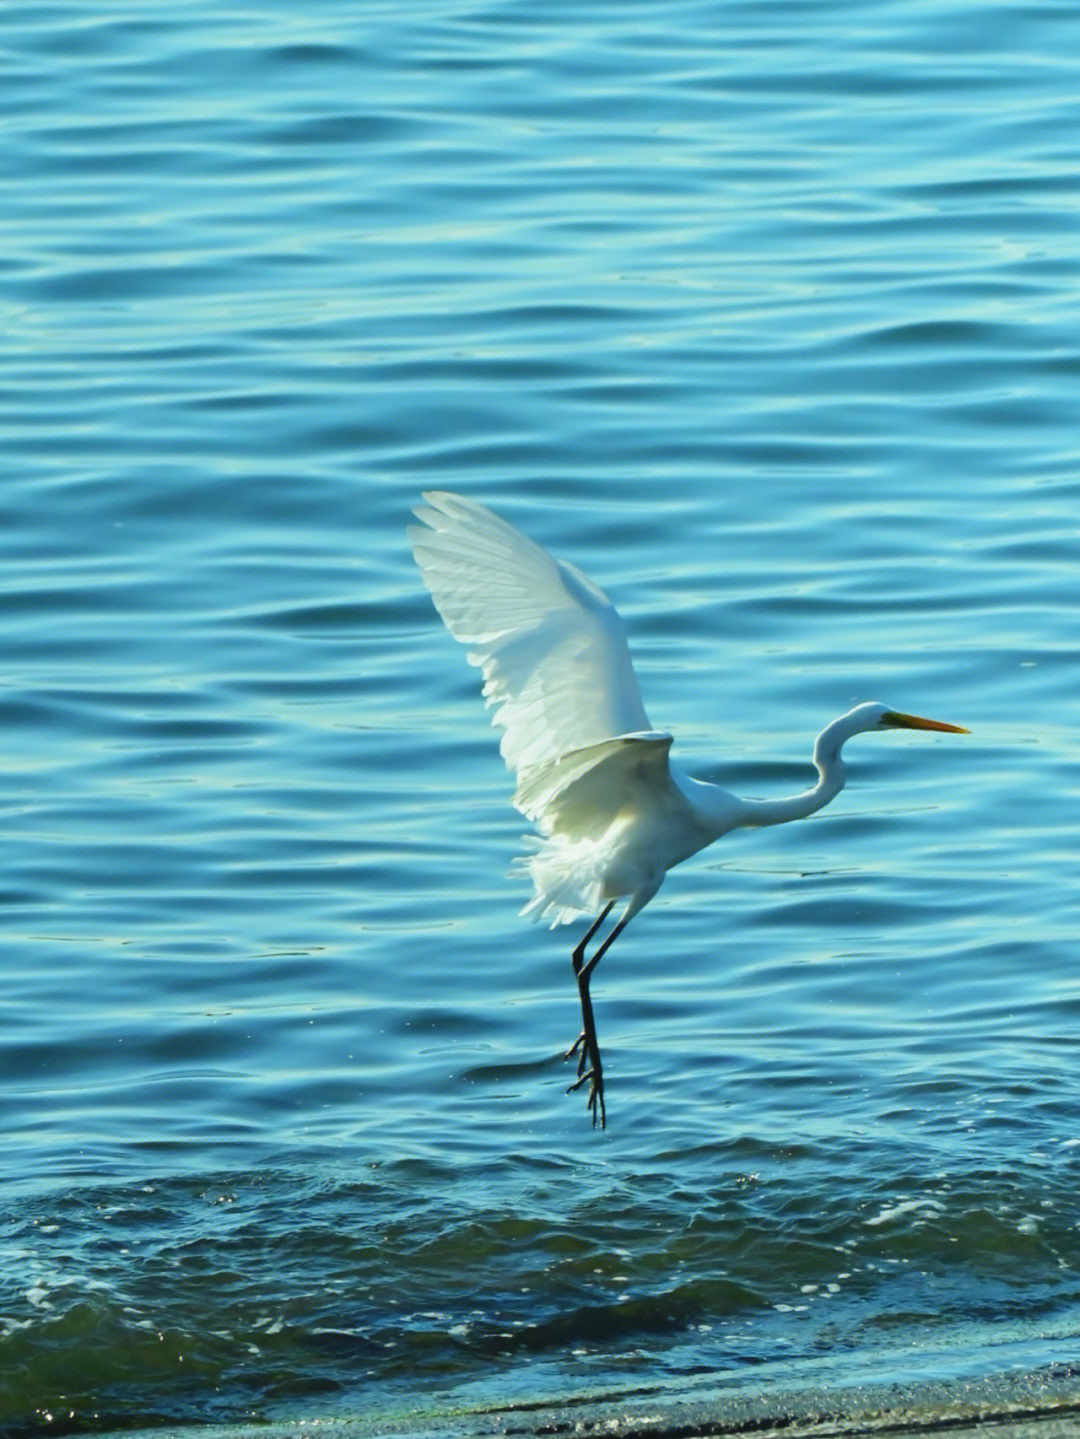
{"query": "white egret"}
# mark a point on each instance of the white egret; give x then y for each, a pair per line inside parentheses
(614, 813)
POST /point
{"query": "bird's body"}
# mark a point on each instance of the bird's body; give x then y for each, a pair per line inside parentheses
(614, 814)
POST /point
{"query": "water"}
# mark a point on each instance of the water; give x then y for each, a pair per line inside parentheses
(765, 316)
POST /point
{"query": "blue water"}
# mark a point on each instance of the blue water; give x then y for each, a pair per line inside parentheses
(764, 315)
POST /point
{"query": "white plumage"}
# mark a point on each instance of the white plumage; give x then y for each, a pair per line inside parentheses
(614, 814)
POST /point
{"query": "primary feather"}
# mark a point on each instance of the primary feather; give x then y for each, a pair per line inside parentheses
(551, 645)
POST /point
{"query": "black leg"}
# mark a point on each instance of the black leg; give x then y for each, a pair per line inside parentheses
(590, 1069)
(578, 960)
(579, 950)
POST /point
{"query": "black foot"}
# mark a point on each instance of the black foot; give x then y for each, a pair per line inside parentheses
(590, 1072)
(596, 1096)
(582, 1044)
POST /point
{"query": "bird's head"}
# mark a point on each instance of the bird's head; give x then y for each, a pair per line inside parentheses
(870, 717)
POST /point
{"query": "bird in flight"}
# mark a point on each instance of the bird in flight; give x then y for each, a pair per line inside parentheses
(614, 813)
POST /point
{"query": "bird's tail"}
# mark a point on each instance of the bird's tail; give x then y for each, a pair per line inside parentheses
(567, 879)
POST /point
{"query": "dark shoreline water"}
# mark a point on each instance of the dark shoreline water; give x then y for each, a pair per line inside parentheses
(394, 1295)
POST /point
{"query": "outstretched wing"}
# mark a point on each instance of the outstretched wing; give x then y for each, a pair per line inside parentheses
(552, 647)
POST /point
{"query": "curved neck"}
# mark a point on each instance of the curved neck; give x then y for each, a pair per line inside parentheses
(831, 775)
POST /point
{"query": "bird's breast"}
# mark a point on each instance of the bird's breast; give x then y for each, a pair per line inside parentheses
(642, 844)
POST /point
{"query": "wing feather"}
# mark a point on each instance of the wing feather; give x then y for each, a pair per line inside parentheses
(581, 793)
(552, 648)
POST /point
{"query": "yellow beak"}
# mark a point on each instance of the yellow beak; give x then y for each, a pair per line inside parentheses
(894, 720)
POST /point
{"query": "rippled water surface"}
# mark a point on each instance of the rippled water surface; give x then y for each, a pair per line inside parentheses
(764, 315)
